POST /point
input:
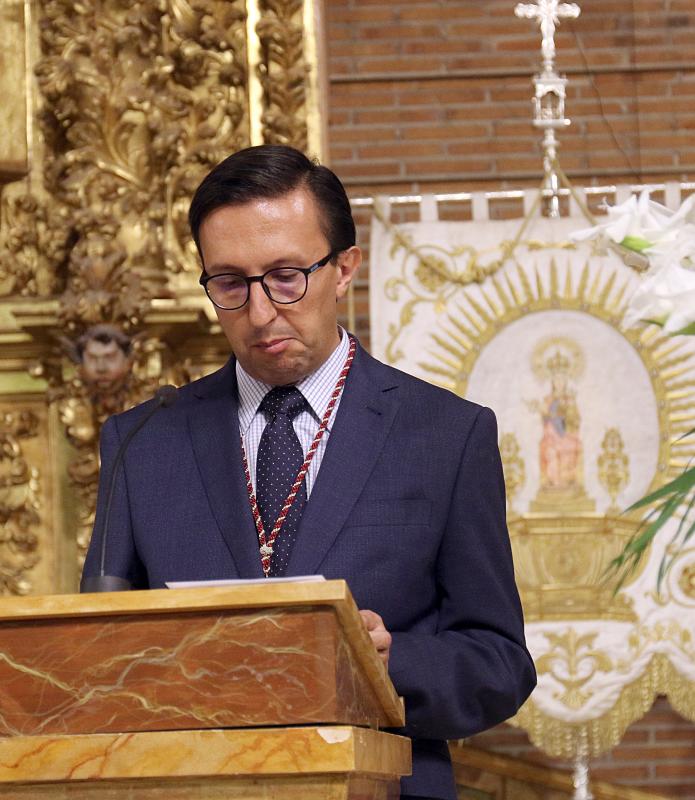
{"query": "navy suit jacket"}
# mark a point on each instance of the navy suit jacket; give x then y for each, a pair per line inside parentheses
(408, 507)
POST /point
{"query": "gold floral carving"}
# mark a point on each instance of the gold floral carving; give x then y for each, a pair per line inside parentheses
(283, 72)
(141, 99)
(19, 503)
(33, 246)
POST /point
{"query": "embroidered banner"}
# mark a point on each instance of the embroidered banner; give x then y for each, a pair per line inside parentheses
(514, 315)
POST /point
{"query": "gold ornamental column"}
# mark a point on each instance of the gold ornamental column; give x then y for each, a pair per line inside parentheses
(115, 112)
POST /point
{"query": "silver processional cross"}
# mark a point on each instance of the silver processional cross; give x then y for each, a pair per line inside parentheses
(548, 13)
(550, 89)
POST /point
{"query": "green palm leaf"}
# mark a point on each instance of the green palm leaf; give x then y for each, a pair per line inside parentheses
(623, 565)
(681, 485)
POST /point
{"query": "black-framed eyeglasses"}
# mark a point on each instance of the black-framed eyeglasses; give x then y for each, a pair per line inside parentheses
(284, 285)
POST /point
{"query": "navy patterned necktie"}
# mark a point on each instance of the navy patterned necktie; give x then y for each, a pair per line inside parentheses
(280, 457)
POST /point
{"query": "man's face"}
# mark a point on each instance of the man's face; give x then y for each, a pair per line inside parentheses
(278, 344)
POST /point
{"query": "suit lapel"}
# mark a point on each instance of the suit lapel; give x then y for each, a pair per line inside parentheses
(364, 418)
(214, 430)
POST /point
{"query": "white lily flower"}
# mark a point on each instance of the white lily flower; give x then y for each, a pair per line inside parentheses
(637, 224)
(667, 239)
(676, 245)
(667, 297)
(640, 223)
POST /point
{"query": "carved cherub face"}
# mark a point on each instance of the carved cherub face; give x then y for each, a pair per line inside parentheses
(104, 365)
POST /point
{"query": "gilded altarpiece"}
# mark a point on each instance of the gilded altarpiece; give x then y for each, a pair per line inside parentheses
(592, 415)
(113, 111)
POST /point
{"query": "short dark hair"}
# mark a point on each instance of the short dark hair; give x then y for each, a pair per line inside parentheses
(104, 334)
(269, 171)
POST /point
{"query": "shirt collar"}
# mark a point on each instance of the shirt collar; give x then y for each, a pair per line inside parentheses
(317, 387)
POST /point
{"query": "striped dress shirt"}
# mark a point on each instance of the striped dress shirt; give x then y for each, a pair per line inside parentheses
(317, 389)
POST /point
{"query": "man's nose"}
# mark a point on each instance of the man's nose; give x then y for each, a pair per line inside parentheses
(261, 309)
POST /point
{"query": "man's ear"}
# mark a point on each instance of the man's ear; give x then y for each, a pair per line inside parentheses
(349, 262)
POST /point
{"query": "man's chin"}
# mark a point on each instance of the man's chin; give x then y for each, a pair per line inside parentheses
(277, 367)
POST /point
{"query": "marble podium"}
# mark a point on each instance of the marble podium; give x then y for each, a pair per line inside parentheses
(190, 693)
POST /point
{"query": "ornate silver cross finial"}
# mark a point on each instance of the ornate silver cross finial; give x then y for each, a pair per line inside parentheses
(549, 102)
(548, 13)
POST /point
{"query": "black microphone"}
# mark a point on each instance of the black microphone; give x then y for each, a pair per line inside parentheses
(164, 397)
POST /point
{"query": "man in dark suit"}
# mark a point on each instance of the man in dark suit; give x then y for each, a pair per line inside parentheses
(403, 496)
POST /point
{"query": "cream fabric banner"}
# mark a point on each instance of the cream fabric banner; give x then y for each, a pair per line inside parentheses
(513, 315)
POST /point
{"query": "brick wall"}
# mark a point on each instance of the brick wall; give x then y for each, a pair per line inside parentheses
(438, 93)
(435, 96)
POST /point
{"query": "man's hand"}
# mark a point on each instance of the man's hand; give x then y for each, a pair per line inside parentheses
(377, 630)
